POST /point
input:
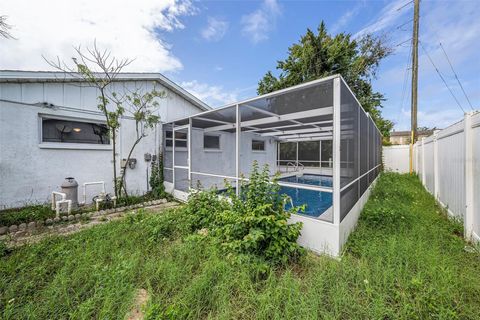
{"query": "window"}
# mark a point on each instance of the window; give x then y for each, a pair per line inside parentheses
(168, 138)
(211, 142)
(327, 153)
(288, 153)
(180, 139)
(258, 145)
(309, 153)
(68, 131)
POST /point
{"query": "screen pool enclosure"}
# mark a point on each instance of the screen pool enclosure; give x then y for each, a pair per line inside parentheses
(316, 135)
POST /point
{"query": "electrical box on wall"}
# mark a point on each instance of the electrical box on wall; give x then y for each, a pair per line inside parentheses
(131, 163)
(147, 157)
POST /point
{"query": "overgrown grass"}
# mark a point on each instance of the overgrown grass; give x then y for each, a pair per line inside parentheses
(43, 211)
(25, 214)
(405, 260)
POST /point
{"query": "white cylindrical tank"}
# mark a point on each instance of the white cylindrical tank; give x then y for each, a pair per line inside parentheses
(70, 188)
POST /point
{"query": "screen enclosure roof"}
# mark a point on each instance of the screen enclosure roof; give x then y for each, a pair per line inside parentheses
(299, 113)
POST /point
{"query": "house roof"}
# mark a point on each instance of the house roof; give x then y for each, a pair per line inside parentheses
(20, 76)
(407, 133)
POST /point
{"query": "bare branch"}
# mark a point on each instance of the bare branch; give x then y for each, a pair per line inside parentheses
(5, 28)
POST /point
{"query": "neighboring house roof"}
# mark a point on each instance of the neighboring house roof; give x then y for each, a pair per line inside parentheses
(407, 133)
(20, 76)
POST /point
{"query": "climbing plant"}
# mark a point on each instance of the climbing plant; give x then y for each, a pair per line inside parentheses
(156, 178)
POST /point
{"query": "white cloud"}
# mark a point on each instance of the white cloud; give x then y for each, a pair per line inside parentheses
(215, 30)
(128, 28)
(214, 96)
(345, 19)
(258, 24)
(456, 26)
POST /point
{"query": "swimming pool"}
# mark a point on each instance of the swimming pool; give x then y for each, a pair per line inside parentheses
(311, 179)
(316, 202)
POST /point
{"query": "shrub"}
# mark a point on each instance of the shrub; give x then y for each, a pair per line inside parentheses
(203, 207)
(254, 223)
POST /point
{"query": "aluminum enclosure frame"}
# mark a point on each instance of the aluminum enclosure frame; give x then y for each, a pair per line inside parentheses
(324, 109)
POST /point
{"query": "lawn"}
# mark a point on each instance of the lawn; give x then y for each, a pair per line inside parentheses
(405, 260)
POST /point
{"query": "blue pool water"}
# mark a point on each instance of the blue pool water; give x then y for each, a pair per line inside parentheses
(311, 179)
(316, 202)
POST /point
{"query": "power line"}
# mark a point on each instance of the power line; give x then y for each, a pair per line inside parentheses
(399, 44)
(441, 77)
(456, 77)
(400, 26)
(406, 4)
(405, 77)
(405, 81)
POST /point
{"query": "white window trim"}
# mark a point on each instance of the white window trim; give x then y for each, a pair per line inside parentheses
(68, 145)
(74, 146)
(219, 149)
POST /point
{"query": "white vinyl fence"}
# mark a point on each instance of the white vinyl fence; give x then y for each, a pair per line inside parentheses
(396, 158)
(448, 164)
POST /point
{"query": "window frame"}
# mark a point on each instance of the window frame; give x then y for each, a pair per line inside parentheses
(70, 145)
(257, 140)
(176, 140)
(219, 142)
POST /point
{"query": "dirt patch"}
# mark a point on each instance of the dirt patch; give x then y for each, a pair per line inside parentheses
(141, 299)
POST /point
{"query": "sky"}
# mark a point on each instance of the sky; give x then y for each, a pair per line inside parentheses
(219, 50)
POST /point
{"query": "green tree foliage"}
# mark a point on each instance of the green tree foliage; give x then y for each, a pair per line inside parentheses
(319, 55)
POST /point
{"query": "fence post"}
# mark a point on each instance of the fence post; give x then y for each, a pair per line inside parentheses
(423, 161)
(469, 210)
(415, 150)
(435, 165)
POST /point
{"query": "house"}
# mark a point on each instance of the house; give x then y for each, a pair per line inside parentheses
(403, 137)
(35, 157)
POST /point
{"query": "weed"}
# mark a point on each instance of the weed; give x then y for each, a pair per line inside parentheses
(25, 214)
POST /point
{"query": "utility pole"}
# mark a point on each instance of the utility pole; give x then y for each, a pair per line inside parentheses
(413, 135)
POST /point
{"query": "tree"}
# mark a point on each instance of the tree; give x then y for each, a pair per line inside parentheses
(426, 129)
(99, 69)
(143, 106)
(320, 55)
(5, 28)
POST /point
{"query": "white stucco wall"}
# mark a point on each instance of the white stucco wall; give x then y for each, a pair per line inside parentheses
(220, 162)
(29, 171)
